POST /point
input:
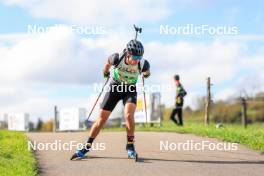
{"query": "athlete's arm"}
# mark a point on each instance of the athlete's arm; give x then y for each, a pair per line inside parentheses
(107, 67)
(112, 60)
(182, 92)
(146, 74)
(146, 69)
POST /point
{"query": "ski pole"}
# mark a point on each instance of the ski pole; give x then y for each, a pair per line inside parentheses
(144, 95)
(137, 29)
(97, 99)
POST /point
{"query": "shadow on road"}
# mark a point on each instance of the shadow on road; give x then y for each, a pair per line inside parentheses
(150, 160)
(205, 161)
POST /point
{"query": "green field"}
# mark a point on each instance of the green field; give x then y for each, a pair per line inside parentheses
(252, 137)
(15, 158)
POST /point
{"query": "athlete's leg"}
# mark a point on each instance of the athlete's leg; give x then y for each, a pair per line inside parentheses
(104, 114)
(172, 116)
(130, 128)
(130, 101)
(180, 116)
(129, 117)
(110, 100)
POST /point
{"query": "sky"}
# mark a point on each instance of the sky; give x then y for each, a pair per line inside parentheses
(52, 52)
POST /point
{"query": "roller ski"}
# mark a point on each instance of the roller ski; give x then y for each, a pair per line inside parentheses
(131, 152)
(79, 154)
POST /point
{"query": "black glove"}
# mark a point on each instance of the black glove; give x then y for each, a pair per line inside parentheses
(146, 74)
(106, 74)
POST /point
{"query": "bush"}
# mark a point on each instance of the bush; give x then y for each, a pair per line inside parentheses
(223, 112)
(47, 126)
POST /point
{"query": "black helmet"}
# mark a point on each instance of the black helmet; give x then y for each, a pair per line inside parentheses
(176, 77)
(135, 47)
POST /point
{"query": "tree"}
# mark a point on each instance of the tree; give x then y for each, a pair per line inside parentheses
(31, 126)
(39, 124)
(47, 126)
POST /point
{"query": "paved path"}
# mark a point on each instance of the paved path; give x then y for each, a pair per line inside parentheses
(152, 161)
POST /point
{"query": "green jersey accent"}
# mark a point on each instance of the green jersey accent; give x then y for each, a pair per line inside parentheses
(125, 73)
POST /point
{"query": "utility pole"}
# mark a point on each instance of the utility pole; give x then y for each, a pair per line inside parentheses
(208, 102)
(244, 111)
(55, 119)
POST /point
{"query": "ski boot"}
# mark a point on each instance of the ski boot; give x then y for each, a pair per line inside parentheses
(81, 153)
(131, 152)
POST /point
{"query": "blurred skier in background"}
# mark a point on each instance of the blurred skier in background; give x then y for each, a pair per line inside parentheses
(180, 94)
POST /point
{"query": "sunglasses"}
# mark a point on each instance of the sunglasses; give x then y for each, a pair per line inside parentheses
(136, 58)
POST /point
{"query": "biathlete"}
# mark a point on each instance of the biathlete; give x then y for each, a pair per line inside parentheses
(128, 66)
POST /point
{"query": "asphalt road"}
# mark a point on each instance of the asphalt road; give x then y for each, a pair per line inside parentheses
(109, 156)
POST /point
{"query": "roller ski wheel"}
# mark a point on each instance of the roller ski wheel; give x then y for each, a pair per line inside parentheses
(78, 155)
(132, 154)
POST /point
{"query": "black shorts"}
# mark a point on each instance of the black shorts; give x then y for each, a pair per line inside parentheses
(116, 92)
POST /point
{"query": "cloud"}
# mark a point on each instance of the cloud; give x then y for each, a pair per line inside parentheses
(243, 38)
(98, 12)
(229, 64)
(226, 93)
(34, 68)
(39, 71)
(57, 56)
(59, 59)
(195, 60)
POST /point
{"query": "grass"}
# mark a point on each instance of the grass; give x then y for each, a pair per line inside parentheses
(252, 136)
(15, 158)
